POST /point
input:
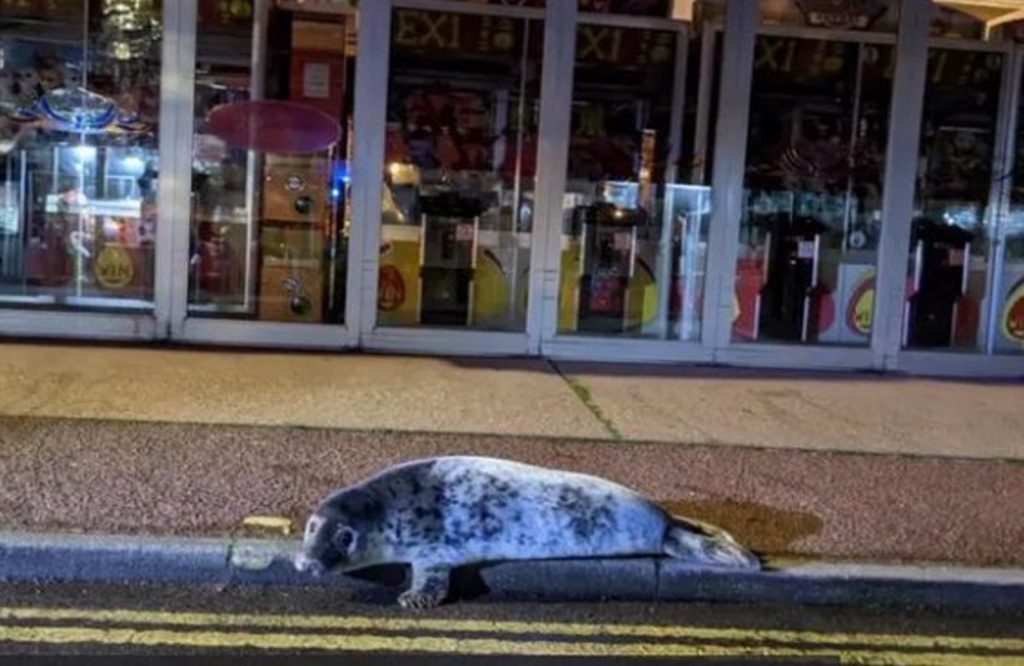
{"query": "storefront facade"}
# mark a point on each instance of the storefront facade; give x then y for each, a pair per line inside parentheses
(784, 183)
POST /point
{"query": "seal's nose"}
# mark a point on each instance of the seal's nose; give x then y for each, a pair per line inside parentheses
(306, 564)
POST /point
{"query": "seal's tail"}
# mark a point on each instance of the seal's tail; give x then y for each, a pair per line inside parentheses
(707, 545)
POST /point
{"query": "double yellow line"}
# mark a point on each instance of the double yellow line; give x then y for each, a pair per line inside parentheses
(481, 637)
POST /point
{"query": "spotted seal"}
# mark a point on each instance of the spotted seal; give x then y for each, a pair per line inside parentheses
(441, 513)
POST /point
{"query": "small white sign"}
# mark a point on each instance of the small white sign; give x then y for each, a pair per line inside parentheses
(623, 242)
(316, 80)
(805, 250)
(464, 233)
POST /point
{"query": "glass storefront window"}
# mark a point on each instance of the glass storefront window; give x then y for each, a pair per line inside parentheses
(462, 115)
(813, 188)
(950, 242)
(634, 238)
(270, 213)
(79, 104)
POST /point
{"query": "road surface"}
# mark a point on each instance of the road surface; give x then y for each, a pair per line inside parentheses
(279, 623)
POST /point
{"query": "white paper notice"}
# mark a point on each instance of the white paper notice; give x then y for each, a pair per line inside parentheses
(316, 80)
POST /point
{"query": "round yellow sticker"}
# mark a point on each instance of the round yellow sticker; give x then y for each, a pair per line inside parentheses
(114, 268)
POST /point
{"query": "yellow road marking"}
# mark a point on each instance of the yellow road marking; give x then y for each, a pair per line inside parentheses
(357, 623)
(472, 646)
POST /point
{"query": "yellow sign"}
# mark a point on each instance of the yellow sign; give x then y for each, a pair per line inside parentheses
(397, 289)
(861, 312)
(1013, 314)
(114, 268)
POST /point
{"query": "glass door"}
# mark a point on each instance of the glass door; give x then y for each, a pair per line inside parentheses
(457, 218)
(634, 230)
(813, 190)
(270, 170)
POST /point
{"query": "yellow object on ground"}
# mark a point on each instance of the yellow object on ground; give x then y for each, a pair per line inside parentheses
(269, 524)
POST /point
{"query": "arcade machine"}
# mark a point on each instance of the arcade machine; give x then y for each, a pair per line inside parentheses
(449, 232)
(300, 221)
(791, 295)
(609, 249)
(941, 271)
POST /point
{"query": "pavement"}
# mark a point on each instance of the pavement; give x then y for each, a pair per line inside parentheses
(833, 467)
(523, 397)
(110, 620)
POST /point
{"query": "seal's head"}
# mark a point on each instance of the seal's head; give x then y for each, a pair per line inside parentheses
(330, 542)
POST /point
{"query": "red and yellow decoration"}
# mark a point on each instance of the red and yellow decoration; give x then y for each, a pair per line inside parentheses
(860, 310)
(114, 268)
(1012, 319)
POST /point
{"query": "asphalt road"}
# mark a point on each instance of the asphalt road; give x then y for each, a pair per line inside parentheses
(271, 625)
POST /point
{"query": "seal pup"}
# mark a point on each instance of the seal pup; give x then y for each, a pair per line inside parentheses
(442, 513)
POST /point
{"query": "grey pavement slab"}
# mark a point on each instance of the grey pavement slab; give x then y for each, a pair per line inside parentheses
(821, 411)
(528, 397)
(522, 397)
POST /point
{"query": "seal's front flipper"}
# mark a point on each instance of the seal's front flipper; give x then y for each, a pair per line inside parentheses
(429, 587)
(703, 545)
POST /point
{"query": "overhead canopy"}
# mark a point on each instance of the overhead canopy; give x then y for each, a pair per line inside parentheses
(992, 13)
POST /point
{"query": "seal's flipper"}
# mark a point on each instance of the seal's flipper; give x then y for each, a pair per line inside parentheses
(429, 586)
(702, 544)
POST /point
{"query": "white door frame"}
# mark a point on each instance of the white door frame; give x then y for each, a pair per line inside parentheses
(742, 20)
(901, 167)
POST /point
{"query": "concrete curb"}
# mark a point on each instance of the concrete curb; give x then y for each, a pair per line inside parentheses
(87, 558)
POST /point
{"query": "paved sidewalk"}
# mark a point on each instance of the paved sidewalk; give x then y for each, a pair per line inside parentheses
(848, 412)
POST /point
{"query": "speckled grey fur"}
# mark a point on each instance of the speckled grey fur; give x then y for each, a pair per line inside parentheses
(446, 512)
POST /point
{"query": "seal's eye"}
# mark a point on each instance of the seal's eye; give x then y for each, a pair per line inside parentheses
(344, 538)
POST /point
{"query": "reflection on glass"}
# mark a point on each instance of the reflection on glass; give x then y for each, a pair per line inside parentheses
(874, 15)
(950, 242)
(633, 241)
(815, 157)
(461, 158)
(270, 208)
(79, 96)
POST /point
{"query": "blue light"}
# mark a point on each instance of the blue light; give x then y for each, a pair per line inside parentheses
(339, 179)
